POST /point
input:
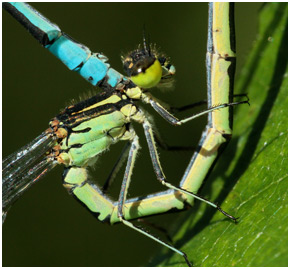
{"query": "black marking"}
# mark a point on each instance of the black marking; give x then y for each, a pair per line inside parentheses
(72, 120)
(36, 32)
(86, 130)
(125, 181)
(154, 158)
(79, 66)
(168, 66)
(64, 174)
(88, 102)
(210, 48)
(162, 60)
(108, 132)
(103, 84)
(164, 114)
(129, 86)
(75, 114)
(231, 73)
(65, 150)
(232, 27)
(69, 132)
(140, 59)
(75, 146)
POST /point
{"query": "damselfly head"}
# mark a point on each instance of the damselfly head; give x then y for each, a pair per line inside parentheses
(146, 67)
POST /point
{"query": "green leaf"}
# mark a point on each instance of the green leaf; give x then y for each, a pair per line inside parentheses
(250, 179)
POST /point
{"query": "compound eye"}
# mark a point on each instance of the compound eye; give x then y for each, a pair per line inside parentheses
(139, 68)
(147, 74)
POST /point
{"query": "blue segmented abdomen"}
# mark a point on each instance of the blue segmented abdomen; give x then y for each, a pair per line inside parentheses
(91, 66)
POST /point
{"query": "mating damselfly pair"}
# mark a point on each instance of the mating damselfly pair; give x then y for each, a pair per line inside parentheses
(122, 93)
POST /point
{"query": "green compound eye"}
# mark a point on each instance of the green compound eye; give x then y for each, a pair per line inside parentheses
(150, 77)
(143, 68)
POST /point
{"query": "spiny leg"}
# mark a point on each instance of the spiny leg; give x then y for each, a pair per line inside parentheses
(173, 120)
(124, 155)
(200, 103)
(160, 175)
(109, 181)
(123, 194)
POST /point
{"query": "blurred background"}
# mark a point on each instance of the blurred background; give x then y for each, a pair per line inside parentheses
(46, 226)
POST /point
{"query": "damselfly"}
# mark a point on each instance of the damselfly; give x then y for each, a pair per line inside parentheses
(139, 117)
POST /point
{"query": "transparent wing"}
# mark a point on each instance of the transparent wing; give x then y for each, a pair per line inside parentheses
(24, 167)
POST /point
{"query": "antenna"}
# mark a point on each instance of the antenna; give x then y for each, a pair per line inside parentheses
(146, 44)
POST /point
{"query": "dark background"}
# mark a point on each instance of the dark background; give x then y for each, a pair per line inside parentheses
(47, 227)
